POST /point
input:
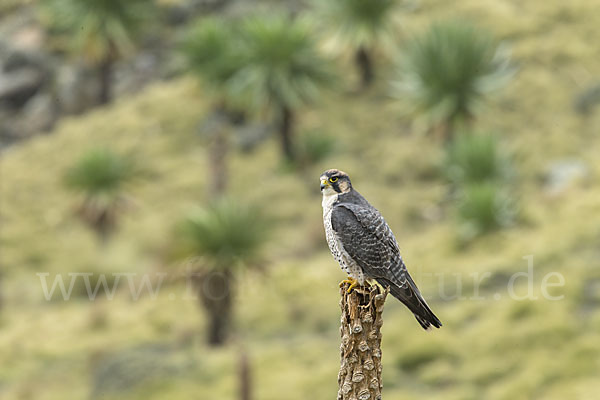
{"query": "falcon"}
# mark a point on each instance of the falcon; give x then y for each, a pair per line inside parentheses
(363, 244)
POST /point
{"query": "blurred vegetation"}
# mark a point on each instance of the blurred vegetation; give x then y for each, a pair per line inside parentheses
(360, 26)
(283, 71)
(491, 346)
(316, 146)
(101, 31)
(213, 52)
(484, 207)
(474, 158)
(101, 176)
(220, 240)
(269, 64)
(446, 72)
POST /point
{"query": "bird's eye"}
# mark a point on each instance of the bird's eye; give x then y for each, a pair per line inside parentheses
(334, 179)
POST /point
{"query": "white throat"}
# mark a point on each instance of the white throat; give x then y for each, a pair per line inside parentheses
(330, 196)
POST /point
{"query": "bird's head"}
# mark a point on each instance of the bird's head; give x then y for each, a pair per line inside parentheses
(334, 181)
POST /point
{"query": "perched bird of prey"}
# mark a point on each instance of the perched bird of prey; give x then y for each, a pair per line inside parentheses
(364, 245)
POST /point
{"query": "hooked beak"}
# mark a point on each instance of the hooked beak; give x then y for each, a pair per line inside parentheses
(324, 184)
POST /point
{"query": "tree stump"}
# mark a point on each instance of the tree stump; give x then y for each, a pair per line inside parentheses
(360, 352)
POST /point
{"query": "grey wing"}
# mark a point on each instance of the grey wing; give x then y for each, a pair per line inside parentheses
(368, 239)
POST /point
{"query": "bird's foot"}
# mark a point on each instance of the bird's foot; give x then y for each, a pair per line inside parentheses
(353, 283)
(373, 282)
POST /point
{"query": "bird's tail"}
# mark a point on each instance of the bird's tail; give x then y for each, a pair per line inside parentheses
(409, 295)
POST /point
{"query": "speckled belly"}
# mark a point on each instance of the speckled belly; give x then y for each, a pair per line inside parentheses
(347, 264)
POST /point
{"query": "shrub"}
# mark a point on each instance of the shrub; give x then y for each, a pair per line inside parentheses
(484, 208)
(475, 158)
(224, 234)
(101, 176)
(100, 172)
(316, 146)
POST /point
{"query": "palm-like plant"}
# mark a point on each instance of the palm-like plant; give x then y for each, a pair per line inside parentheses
(101, 176)
(223, 238)
(102, 31)
(361, 26)
(283, 70)
(446, 73)
(212, 51)
(213, 54)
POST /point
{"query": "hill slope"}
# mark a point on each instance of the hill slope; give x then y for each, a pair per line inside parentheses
(491, 346)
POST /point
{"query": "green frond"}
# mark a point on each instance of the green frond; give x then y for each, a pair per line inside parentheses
(101, 174)
(97, 28)
(212, 50)
(357, 23)
(227, 234)
(473, 158)
(283, 67)
(446, 72)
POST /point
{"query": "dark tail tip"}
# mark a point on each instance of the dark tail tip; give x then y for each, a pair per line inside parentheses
(409, 295)
(429, 321)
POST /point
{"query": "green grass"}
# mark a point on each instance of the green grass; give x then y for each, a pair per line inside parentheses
(288, 319)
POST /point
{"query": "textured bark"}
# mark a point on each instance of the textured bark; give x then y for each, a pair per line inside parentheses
(286, 131)
(101, 218)
(105, 77)
(360, 352)
(245, 377)
(218, 163)
(364, 64)
(215, 293)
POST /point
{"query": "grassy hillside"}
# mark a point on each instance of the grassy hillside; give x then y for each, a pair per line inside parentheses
(491, 347)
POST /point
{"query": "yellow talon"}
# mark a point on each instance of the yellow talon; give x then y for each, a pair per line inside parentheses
(352, 286)
(347, 280)
(353, 283)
